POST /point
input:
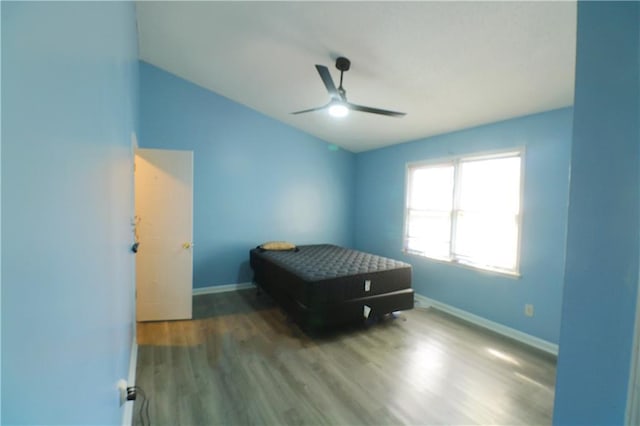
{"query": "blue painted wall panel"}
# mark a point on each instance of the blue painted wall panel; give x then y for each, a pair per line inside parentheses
(601, 273)
(255, 179)
(379, 220)
(69, 105)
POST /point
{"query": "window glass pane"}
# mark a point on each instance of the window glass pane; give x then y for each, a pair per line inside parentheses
(429, 233)
(487, 239)
(490, 185)
(435, 226)
(432, 188)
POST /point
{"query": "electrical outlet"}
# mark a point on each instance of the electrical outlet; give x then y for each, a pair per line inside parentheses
(528, 310)
(122, 388)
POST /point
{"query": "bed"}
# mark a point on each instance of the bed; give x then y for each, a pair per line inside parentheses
(322, 286)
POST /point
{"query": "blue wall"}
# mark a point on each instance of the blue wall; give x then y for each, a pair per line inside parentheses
(255, 179)
(379, 216)
(601, 273)
(69, 102)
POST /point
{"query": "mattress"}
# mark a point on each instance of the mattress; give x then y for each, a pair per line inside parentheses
(330, 284)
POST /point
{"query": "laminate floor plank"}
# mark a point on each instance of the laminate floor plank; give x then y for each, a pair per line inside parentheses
(240, 361)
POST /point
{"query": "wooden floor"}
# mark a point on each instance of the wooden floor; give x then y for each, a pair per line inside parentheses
(239, 362)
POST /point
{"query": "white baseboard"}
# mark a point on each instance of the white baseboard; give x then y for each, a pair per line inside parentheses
(222, 288)
(543, 345)
(127, 415)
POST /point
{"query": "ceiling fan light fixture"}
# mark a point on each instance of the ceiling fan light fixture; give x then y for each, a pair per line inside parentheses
(338, 110)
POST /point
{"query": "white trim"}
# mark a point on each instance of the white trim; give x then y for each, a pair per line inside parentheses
(468, 266)
(222, 288)
(543, 345)
(127, 415)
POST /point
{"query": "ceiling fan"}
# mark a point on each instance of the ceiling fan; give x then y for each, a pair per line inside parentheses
(338, 106)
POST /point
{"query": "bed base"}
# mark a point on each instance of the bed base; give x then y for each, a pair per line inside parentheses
(306, 304)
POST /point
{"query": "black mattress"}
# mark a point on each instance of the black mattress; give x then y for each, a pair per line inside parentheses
(324, 285)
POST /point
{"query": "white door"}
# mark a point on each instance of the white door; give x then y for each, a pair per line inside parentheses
(164, 262)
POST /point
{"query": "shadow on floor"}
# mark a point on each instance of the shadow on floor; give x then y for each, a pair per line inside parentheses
(234, 303)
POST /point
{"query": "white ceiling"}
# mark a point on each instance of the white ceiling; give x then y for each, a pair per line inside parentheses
(448, 65)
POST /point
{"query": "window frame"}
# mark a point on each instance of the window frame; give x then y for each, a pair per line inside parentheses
(455, 161)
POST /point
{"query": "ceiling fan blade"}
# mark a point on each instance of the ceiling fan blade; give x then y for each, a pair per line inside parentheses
(376, 110)
(328, 81)
(310, 110)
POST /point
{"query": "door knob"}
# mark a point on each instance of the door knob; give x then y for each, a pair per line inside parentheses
(187, 245)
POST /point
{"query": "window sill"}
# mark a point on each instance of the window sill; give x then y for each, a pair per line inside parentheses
(488, 271)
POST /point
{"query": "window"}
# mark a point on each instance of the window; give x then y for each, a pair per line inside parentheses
(466, 210)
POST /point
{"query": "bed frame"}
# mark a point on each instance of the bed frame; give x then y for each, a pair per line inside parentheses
(323, 286)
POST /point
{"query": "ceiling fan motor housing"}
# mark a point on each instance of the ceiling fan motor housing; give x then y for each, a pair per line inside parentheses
(343, 64)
